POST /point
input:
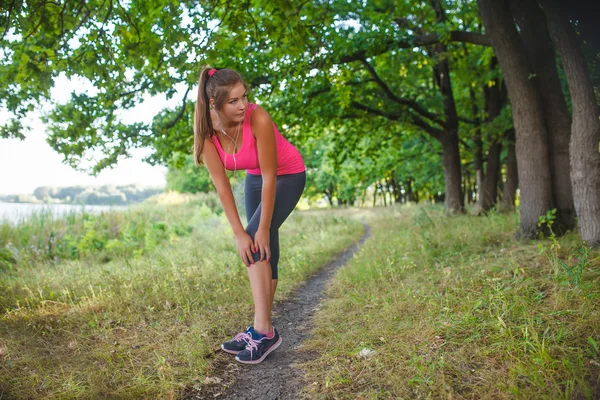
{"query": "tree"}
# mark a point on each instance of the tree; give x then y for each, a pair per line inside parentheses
(585, 133)
(544, 74)
(128, 50)
(511, 183)
(357, 67)
(528, 116)
(495, 101)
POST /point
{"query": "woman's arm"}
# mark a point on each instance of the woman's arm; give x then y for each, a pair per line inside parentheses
(262, 128)
(221, 182)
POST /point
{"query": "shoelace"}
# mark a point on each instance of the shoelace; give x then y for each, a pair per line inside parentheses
(242, 336)
(252, 345)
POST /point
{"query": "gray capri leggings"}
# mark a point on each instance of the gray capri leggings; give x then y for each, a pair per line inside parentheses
(288, 190)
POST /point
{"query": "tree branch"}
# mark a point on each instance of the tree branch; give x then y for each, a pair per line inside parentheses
(363, 107)
(469, 121)
(434, 132)
(407, 102)
(43, 14)
(327, 89)
(8, 18)
(350, 116)
(414, 119)
(144, 86)
(470, 37)
(137, 31)
(181, 111)
(256, 29)
(423, 40)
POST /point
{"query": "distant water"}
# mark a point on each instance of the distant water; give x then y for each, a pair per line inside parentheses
(14, 212)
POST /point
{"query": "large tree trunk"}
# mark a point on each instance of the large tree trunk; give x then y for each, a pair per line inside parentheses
(495, 98)
(509, 192)
(585, 133)
(528, 117)
(451, 157)
(478, 152)
(542, 60)
(451, 160)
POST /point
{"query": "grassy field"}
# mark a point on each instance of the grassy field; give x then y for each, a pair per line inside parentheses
(135, 319)
(453, 308)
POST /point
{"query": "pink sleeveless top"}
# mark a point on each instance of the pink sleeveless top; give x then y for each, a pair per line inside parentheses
(289, 160)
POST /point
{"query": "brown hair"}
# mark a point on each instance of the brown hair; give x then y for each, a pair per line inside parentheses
(214, 87)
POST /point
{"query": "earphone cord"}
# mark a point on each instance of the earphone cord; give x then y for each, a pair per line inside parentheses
(237, 135)
(234, 141)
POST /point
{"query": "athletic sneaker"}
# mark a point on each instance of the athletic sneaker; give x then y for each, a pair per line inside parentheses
(238, 343)
(259, 347)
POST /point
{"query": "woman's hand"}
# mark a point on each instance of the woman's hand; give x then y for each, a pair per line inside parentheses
(245, 248)
(262, 241)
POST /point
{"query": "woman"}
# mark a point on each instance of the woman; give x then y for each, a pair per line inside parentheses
(231, 133)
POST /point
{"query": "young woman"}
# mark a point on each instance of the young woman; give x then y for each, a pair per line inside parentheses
(231, 133)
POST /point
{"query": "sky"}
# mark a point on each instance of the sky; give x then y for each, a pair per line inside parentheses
(28, 164)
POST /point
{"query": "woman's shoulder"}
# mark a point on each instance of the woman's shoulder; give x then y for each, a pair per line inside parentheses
(260, 116)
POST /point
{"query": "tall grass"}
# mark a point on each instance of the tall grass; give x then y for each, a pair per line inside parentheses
(438, 307)
(45, 236)
(142, 327)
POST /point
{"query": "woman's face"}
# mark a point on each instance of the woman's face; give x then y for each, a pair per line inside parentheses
(234, 108)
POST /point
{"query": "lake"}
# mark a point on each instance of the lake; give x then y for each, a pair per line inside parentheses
(14, 212)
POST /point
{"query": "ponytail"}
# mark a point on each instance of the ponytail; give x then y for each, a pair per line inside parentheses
(202, 122)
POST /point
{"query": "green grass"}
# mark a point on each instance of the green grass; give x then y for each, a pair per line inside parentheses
(143, 326)
(454, 307)
(81, 235)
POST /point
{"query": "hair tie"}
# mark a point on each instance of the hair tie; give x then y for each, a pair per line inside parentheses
(212, 72)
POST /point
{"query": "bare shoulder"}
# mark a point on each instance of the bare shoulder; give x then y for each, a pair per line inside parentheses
(209, 151)
(208, 143)
(261, 118)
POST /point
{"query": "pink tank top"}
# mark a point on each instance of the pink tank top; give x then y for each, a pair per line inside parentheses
(289, 160)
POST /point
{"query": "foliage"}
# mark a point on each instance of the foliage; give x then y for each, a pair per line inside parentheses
(330, 72)
(185, 177)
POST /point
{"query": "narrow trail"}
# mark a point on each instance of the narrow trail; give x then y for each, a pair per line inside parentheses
(277, 377)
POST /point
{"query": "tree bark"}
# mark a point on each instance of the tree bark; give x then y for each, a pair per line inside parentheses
(509, 193)
(542, 60)
(478, 152)
(451, 160)
(528, 117)
(492, 175)
(451, 157)
(495, 99)
(585, 132)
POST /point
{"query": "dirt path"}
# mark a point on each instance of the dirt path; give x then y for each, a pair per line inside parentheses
(276, 377)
